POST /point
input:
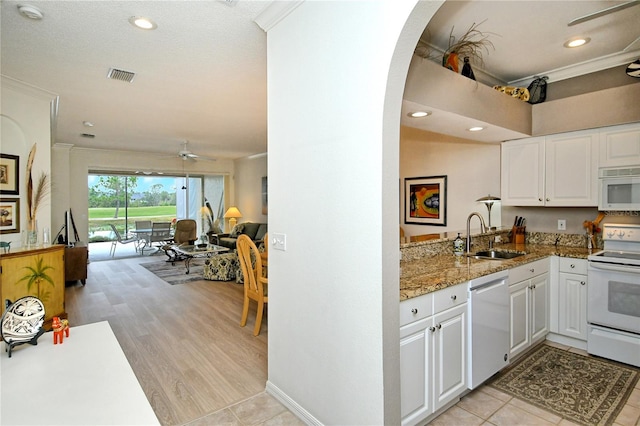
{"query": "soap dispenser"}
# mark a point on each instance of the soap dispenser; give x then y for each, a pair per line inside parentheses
(458, 246)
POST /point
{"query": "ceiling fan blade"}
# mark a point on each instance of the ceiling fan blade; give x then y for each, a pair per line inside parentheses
(603, 12)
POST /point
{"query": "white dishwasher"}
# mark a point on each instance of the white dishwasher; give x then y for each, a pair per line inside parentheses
(488, 326)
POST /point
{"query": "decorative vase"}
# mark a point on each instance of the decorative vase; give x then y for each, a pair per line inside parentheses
(450, 60)
(32, 233)
(466, 69)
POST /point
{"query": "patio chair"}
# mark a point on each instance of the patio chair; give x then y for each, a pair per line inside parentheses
(143, 238)
(119, 239)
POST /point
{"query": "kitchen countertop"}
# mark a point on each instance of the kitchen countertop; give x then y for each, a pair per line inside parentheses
(431, 273)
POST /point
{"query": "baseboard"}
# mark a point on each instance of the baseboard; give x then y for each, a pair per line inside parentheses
(293, 406)
(568, 341)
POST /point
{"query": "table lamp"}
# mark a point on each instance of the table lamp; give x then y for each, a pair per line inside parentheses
(232, 214)
(489, 200)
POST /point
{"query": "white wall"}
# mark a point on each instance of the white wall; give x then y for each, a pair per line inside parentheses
(472, 170)
(25, 115)
(334, 117)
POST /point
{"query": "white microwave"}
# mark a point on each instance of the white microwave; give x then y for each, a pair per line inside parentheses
(619, 188)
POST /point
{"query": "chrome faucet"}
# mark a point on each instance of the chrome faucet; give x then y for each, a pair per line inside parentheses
(483, 228)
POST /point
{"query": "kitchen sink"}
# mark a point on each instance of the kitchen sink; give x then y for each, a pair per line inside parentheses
(497, 255)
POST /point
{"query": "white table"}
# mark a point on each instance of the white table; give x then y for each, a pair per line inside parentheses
(86, 380)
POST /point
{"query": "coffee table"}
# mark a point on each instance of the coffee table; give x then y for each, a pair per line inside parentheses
(189, 252)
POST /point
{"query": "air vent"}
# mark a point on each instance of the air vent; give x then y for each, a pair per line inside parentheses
(122, 75)
(87, 135)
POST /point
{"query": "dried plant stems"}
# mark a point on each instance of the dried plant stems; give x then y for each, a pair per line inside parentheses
(35, 199)
(470, 44)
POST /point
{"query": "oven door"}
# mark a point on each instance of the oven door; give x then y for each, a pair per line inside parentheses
(614, 296)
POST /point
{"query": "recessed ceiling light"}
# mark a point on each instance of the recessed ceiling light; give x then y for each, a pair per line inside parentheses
(87, 124)
(475, 129)
(419, 114)
(577, 42)
(30, 12)
(142, 22)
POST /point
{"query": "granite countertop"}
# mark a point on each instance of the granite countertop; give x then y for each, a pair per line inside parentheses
(431, 273)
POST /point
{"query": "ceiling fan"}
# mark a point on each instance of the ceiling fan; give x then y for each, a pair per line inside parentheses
(185, 154)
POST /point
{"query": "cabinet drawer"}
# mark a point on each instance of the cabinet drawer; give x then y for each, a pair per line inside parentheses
(573, 266)
(449, 297)
(416, 308)
(528, 271)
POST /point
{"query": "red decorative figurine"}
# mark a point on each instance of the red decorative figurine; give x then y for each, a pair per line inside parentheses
(59, 327)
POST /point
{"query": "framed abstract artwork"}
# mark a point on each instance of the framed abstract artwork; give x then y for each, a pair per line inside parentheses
(426, 200)
(9, 172)
(9, 215)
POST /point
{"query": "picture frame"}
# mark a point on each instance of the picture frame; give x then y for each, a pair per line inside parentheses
(426, 200)
(9, 174)
(9, 215)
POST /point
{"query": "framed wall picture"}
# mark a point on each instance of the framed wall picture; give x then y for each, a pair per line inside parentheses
(426, 200)
(9, 215)
(9, 172)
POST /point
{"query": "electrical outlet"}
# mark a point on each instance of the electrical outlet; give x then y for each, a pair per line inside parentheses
(562, 225)
(279, 241)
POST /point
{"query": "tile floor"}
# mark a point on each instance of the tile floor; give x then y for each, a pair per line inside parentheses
(488, 406)
(262, 409)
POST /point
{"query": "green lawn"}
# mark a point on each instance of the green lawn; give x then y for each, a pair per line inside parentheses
(134, 212)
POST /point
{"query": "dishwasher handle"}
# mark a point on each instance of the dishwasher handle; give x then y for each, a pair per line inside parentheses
(494, 283)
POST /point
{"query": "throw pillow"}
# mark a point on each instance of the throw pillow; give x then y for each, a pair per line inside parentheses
(237, 230)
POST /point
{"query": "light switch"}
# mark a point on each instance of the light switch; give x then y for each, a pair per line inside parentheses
(279, 241)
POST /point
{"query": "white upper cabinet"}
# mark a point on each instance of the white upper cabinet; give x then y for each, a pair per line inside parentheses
(620, 146)
(554, 171)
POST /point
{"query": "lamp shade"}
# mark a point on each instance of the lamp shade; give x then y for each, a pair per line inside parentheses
(488, 199)
(232, 212)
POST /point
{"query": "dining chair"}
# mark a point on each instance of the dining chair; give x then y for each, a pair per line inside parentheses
(119, 239)
(160, 232)
(255, 284)
(143, 238)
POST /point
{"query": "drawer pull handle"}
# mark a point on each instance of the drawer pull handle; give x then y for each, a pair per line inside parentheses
(439, 326)
(532, 270)
(583, 283)
(414, 311)
(432, 329)
(573, 266)
(454, 297)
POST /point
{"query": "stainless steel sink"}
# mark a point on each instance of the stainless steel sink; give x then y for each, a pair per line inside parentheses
(497, 255)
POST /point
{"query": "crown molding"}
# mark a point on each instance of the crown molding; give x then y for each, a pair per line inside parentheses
(582, 68)
(274, 12)
(26, 88)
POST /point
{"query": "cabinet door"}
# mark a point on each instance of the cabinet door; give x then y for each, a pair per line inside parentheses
(620, 146)
(571, 169)
(40, 274)
(519, 317)
(415, 371)
(572, 306)
(450, 355)
(539, 287)
(522, 172)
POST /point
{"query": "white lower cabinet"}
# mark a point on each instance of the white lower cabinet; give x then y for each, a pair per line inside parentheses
(572, 298)
(529, 305)
(432, 352)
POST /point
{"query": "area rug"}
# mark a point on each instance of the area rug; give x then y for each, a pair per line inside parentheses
(176, 274)
(584, 390)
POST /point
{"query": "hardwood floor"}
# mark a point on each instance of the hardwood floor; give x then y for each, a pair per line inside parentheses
(184, 342)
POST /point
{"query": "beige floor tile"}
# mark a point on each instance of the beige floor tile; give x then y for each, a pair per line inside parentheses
(495, 393)
(629, 416)
(258, 409)
(481, 404)
(510, 415)
(223, 418)
(456, 416)
(634, 398)
(556, 345)
(579, 351)
(284, 419)
(565, 422)
(547, 415)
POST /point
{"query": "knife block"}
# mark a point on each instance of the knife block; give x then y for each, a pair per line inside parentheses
(518, 234)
